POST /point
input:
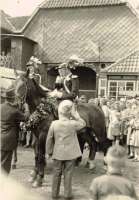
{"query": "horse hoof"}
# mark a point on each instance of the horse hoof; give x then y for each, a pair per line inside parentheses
(92, 166)
(14, 166)
(33, 173)
(31, 179)
(37, 184)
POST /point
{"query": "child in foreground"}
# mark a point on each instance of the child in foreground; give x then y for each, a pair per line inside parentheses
(113, 183)
(62, 143)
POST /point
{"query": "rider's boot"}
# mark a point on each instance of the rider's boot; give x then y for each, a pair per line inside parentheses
(33, 176)
(38, 182)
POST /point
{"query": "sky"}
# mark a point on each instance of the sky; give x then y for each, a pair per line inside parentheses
(19, 7)
(26, 7)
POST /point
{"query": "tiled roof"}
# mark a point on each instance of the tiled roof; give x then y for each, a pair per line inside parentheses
(12, 24)
(79, 3)
(62, 33)
(5, 23)
(129, 64)
(18, 22)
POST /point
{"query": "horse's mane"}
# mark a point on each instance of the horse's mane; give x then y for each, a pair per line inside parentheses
(33, 91)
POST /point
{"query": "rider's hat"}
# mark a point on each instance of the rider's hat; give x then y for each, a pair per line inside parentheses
(30, 63)
(33, 60)
(75, 58)
(63, 65)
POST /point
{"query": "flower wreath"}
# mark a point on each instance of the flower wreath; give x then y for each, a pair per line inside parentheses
(42, 112)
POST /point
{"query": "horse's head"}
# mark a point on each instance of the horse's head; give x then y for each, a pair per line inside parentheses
(28, 90)
(20, 85)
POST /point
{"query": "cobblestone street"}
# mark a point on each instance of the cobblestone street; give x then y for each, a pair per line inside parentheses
(82, 176)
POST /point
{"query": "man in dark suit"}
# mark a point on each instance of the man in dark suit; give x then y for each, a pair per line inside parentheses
(68, 82)
(10, 121)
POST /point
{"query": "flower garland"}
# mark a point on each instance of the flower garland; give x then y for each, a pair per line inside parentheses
(42, 112)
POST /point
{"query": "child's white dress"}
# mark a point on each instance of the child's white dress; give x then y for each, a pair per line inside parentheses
(114, 125)
(136, 133)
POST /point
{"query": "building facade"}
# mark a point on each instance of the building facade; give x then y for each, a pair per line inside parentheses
(100, 32)
(121, 79)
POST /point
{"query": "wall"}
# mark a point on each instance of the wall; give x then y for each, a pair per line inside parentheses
(27, 52)
(61, 33)
(16, 52)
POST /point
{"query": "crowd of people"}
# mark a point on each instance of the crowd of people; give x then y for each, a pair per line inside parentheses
(122, 121)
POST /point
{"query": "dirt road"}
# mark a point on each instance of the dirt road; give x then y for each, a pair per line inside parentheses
(82, 175)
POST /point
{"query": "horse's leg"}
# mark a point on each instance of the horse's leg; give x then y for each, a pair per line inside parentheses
(41, 159)
(87, 136)
(81, 143)
(14, 160)
(92, 153)
(34, 172)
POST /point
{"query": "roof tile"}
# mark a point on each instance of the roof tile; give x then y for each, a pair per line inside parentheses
(5, 23)
(129, 64)
(18, 22)
(79, 3)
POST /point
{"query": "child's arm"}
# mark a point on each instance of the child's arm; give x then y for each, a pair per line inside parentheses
(79, 123)
(50, 140)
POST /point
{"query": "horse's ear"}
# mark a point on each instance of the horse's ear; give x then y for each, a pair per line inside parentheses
(27, 73)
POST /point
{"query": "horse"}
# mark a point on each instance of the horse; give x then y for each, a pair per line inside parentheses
(28, 91)
(93, 133)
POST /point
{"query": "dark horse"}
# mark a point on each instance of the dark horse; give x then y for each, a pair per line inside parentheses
(32, 93)
(93, 134)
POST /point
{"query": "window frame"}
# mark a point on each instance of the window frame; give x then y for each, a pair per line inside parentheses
(117, 87)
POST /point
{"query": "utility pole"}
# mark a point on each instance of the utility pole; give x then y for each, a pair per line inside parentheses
(98, 70)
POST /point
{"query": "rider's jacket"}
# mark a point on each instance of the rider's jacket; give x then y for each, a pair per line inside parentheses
(70, 85)
(36, 77)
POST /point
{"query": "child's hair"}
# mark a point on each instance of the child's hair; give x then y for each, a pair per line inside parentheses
(116, 156)
(118, 197)
(65, 107)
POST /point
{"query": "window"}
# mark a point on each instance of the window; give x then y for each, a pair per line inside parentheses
(102, 92)
(102, 87)
(113, 89)
(118, 89)
(129, 86)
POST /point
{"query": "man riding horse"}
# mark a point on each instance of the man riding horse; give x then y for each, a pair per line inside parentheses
(67, 84)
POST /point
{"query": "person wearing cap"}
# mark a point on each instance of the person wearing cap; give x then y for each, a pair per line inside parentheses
(10, 121)
(32, 66)
(67, 81)
(62, 144)
(113, 182)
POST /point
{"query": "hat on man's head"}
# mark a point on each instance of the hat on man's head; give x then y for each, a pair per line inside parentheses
(75, 58)
(29, 63)
(33, 60)
(63, 65)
